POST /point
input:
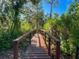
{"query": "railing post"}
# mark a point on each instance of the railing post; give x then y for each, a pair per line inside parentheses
(57, 50)
(45, 39)
(15, 50)
(77, 52)
(30, 38)
(49, 47)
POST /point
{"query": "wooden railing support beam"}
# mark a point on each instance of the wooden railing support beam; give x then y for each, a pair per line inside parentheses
(77, 52)
(15, 50)
(49, 47)
(45, 40)
(57, 50)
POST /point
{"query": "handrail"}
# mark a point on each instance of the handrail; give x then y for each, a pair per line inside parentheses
(21, 38)
(52, 37)
(57, 41)
(18, 40)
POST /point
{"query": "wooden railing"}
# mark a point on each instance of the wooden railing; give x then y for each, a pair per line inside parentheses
(17, 41)
(50, 40)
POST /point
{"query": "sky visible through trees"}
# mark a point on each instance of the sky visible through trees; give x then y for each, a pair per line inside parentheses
(59, 9)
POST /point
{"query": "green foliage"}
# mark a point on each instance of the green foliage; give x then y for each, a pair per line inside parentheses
(48, 24)
(25, 26)
(10, 25)
(35, 2)
(6, 39)
(68, 26)
(67, 47)
(70, 22)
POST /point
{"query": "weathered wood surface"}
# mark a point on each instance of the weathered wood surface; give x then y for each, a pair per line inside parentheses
(30, 34)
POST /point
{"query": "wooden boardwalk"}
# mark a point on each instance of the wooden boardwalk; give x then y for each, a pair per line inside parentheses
(38, 49)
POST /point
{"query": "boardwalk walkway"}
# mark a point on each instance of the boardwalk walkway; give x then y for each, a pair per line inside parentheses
(38, 49)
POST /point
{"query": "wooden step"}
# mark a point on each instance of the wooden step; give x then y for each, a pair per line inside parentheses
(38, 53)
(35, 51)
(36, 58)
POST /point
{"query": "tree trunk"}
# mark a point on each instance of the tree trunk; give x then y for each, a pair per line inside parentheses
(51, 11)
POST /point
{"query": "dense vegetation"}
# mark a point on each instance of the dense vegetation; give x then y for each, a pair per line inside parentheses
(20, 16)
